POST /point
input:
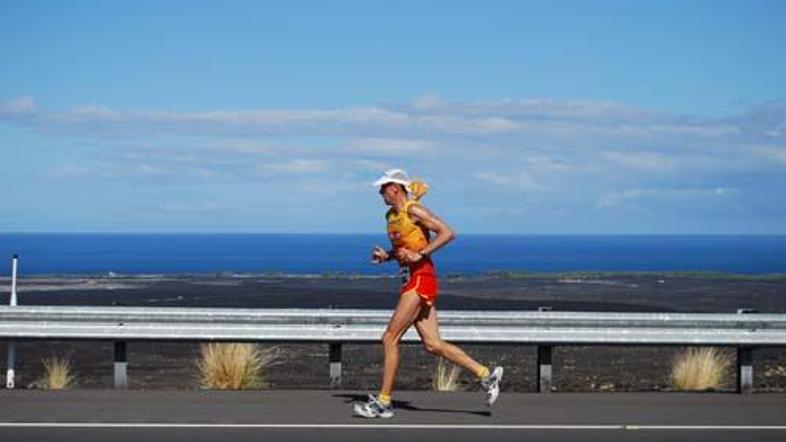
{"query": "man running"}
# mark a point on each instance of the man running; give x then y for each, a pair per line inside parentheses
(409, 228)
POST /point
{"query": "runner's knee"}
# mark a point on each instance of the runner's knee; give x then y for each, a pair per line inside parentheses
(434, 346)
(389, 338)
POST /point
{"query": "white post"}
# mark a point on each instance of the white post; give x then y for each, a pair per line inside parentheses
(9, 376)
(335, 364)
(13, 279)
(121, 365)
(745, 363)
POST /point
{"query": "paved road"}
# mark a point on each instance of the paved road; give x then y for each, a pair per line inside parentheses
(100, 415)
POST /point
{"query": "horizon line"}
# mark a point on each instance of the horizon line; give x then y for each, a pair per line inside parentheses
(53, 232)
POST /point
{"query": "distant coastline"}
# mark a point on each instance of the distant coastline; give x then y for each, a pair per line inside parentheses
(110, 282)
(469, 255)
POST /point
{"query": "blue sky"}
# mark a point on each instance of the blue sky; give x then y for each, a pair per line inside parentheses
(525, 117)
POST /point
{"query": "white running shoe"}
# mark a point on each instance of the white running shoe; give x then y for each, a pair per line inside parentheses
(491, 385)
(373, 409)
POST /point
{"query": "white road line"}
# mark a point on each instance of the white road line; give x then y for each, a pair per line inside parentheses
(145, 425)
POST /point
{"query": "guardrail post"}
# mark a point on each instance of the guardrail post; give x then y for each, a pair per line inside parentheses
(10, 374)
(745, 363)
(11, 359)
(335, 364)
(121, 378)
(744, 370)
(14, 267)
(544, 368)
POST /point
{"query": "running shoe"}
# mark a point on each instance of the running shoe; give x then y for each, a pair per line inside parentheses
(491, 385)
(374, 408)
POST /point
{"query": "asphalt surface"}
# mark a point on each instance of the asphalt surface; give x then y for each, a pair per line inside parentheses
(101, 415)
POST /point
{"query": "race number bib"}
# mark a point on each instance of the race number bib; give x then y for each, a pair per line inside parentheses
(405, 275)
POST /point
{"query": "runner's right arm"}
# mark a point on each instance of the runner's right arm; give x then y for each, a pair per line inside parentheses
(380, 255)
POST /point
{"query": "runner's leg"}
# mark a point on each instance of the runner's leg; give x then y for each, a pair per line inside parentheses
(428, 329)
(406, 312)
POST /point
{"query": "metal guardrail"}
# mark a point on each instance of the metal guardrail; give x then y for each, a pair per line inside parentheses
(542, 328)
(329, 325)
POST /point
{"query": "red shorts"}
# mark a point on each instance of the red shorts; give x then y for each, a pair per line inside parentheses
(424, 284)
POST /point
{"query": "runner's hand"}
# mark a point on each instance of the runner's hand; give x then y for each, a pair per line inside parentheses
(379, 255)
(407, 256)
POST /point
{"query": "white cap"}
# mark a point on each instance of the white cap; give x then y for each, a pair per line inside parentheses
(393, 176)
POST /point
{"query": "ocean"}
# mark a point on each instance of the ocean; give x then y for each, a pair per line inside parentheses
(320, 254)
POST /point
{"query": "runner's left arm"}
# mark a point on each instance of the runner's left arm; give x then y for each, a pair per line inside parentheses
(431, 221)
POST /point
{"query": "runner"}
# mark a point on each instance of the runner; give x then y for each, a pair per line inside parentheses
(409, 228)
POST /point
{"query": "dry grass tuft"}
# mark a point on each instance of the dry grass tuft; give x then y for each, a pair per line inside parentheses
(446, 376)
(57, 374)
(232, 366)
(702, 368)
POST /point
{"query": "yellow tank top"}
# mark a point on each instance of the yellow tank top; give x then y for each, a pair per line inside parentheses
(402, 230)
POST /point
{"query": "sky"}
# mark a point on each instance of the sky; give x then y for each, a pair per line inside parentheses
(547, 117)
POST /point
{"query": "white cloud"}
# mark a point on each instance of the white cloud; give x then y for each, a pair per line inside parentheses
(427, 102)
(17, 106)
(778, 131)
(390, 146)
(298, 166)
(92, 113)
(534, 174)
(188, 207)
(543, 163)
(774, 153)
(527, 147)
(335, 188)
(428, 115)
(522, 181)
(68, 171)
(640, 160)
(617, 198)
(372, 166)
(243, 147)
